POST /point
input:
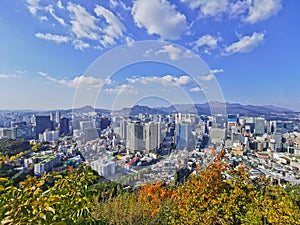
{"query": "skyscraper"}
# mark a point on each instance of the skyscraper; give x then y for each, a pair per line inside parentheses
(135, 136)
(123, 129)
(152, 134)
(42, 123)
(232, 120)
(85, 125)
(260, 124)
(104, 122)
(182, 136)
(21, 130)
(57, 117)
(64, 127)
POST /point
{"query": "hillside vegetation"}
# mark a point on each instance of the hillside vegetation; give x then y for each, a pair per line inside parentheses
(205, 198)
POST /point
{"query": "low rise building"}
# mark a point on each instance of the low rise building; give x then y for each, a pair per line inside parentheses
(47, 164)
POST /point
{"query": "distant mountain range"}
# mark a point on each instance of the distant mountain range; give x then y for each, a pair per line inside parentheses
(203, 109)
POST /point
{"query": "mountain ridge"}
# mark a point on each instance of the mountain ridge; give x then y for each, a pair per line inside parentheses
(200, 108)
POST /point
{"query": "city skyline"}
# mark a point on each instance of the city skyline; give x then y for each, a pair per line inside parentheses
(47, 46)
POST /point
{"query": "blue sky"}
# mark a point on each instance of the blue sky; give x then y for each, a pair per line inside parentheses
(48, 49)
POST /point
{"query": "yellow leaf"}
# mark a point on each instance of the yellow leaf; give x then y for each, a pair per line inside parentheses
(3, 179)
(50, 209)
(6, 221)
(42, 182)
(42, 215)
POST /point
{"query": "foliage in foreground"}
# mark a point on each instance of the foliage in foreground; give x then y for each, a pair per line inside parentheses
(203, 199)
(70, 200)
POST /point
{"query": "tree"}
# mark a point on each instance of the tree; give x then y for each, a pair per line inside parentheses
(205, 198)
(70, 200)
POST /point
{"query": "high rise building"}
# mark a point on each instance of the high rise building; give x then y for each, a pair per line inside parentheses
(75, 122)
(217, 135)
(123, 129)
(103, 167)
(260, 124)
(33, 119)
(232, 120)
(90, 134)
(152, 134)
(104, 123)
(236, 138)
(57, 117)
(85, 125)
(276, 140)
(5, 132)
(182, 136)
(49, 135)
(135, 136)
(42, 123)
(51, 116)
(219, 121)
(64, 126)
(21, 130)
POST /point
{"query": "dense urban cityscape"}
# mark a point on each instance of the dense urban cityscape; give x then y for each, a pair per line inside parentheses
(144, 148)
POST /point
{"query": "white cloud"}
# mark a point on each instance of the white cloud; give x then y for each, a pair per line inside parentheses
(219, 8)
(174, 53)
(208, 77)
(208, 41)
(130, 41)
(209, 8)
(7, 76)
(52, 37)
(80, 45)
(245, 44)
(124, 6)
(122, 89)
(42, 74)
(43, 18)
(83, 27)
(196, 89)
(21, 71)
(51, 10)
(262, 10)
(159, 17)
(148, 53)
(77, 43)
(98, 47)
(239, 8)
(217, 71)
(115, 3)
(182, 80)
(167, 80)
(33, 6)
(86, 82)
(82, 82)
(113, 30)
(59, 5)
(83, 23)
(252, 10)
